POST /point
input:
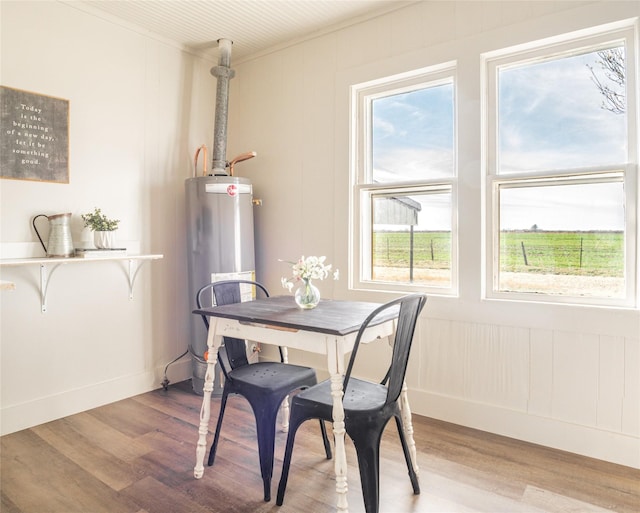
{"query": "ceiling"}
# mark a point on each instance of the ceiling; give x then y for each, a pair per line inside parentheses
(255, 26)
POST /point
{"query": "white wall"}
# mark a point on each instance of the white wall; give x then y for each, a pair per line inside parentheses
(561, 376)
(139, 108)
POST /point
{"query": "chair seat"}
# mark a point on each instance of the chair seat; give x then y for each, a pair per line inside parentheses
(360, 396)
(272, 377)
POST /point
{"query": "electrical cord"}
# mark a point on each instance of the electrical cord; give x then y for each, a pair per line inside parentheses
(165, 381)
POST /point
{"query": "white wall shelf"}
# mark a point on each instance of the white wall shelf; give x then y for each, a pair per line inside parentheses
(49, 265)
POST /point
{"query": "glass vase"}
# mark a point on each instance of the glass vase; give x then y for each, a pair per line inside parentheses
(307, 295)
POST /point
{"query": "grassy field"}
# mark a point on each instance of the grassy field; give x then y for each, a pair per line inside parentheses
(581, 253)
(432, 250)
(573, 253)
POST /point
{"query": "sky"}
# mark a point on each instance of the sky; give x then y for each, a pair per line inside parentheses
(550, 117)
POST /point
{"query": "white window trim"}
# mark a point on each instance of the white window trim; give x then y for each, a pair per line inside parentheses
(361, 184)
(570, 44)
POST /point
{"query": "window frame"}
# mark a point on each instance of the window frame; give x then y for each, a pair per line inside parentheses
(363, 188)
(570, 44)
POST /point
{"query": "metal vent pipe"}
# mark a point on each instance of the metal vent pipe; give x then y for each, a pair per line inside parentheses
(224, 74)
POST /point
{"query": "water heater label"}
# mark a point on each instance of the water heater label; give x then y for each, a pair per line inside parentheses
(229, 189)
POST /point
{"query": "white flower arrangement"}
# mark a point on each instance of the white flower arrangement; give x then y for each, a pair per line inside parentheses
(309, 268)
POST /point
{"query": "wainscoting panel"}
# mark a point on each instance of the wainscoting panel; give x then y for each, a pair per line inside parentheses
(575, 377)
(498, 365)
(631, 399)
(509, 379)
(541, 383)
(479, 362)
(611, 383)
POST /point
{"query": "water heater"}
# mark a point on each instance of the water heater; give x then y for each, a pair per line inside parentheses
(220, 246)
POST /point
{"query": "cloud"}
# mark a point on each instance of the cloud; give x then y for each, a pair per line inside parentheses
(551, 117)
(410, 163)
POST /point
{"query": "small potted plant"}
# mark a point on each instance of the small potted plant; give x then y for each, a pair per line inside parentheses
(103, 228)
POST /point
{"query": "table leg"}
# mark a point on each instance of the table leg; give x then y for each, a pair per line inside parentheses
(405, 411)
(335, 353)
(285, 403)
(213, 343)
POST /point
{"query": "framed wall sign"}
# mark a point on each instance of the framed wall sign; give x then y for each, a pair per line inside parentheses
(34, 138)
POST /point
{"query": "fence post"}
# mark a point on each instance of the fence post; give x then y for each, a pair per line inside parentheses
(411, 254)
(581, 239)
(524, 253)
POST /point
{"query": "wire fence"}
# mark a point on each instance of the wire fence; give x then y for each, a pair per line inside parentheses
(430, 249)
(580, 253)
(595, 253)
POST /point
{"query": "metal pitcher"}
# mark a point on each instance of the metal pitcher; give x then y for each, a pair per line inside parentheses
(60, 243)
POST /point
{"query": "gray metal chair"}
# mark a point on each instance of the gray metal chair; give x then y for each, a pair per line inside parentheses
(368, 406)
(264, 384)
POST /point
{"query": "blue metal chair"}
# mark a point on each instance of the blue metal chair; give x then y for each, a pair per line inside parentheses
(368, 406)
(264, 385)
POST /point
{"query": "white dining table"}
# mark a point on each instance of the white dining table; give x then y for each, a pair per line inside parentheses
(328, 329)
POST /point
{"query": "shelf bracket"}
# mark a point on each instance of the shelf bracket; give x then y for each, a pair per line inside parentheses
(45, 276)
(133, 273)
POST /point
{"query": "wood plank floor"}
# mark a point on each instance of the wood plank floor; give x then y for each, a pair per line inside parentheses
(137, 456)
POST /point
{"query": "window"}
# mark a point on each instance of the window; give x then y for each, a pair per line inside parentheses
(562, 172)
(404, 186)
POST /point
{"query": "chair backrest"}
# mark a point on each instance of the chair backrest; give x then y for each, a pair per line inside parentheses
(224, 293)
(409, 309)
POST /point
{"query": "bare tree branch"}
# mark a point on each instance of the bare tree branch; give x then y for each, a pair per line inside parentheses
(613, 65)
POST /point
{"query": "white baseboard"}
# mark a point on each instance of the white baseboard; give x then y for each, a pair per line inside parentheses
(588, 441)
(45, 409)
